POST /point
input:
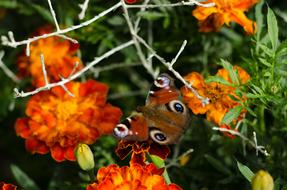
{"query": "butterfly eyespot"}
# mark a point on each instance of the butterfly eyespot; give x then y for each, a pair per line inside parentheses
(176, 106)
(162, 81)
(121, 131)
(158, 136)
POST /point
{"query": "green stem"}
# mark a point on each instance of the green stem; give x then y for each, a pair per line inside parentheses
(92, 175)
(159, 163)
(261, 118)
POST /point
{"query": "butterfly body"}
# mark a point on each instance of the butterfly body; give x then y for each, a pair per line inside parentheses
(162, 119)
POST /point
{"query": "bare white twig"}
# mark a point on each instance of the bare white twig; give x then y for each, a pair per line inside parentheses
(54, 15)
(67, 38)
(182, 3)
(74, 69)
(44, 70)
(28, 50)
(140, 53)
(67, 91)
(6, 70)
(84, 7)
(178, 53)
(253, 144)
(77, 74)
(12, 43)
(204, 100)
(176, 157)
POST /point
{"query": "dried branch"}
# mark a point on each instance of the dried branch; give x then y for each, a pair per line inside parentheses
(44, 70)
(84, 7)
(140, 53)
(6, 70)
(10, 41)
(253, 144)
(169, 65)
(54, 15)
(182, 3)
(76, 75)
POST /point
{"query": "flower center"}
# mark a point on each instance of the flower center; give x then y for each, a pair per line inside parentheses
(66, 109)
(215, 93)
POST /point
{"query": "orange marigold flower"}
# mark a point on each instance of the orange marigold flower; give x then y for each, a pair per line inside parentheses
(7, 186)
(224, 12)
(135, 177)
(217, 93)
(59, 58)
(57, 122)
(139, 150)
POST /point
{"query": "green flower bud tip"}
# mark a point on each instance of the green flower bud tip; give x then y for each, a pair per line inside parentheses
(85, 157)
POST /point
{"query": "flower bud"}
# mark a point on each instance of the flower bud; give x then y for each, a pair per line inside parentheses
(85, 157)
(262, 180)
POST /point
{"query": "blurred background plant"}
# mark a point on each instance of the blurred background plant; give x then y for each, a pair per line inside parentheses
(213, 162)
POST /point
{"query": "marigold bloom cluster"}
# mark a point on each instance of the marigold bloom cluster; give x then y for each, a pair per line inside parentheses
(224, 12)
(135, 177)
(58, 122)
(7, 186)
(218, 94)
(59, 58)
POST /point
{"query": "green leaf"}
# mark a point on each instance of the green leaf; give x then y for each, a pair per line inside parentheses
(43, 12)
(259, 19)
(116, 21)
(265, 62)
(23, 179)
(250, 95)
(217, 165)
(9, 4)
(218, 79)
(245, 171)
(231, 114)
(251, 111)
(272, 28)
(150, 15)
(282, 49)
(265, 49)
(232, 73)
(277, 184)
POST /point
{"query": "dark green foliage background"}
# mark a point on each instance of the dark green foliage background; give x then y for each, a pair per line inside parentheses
(213, 163)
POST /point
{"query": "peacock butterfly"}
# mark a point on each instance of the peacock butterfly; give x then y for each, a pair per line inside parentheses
(162, 119)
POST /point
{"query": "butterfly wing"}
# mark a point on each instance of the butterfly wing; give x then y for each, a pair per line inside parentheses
(163, 118)
(133, 128)
(166, 115)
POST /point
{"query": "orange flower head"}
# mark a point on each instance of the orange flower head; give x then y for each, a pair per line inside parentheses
(135, 177)
(59, 58)
(217, 93)
(58, 122)
(139, 150)
(7, 186)
(224, 12)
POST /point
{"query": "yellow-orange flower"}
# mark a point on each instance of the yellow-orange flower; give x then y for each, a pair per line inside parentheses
(135, 177)
(218, 94)
(59, 122)
(224, 12)
(59, 58)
